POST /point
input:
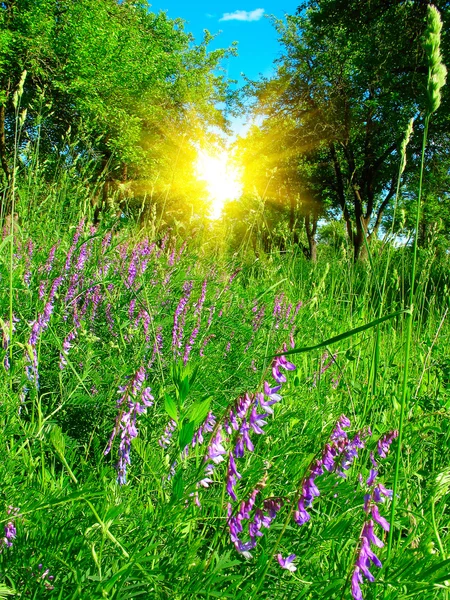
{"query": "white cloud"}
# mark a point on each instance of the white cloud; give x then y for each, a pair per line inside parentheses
(244, 15)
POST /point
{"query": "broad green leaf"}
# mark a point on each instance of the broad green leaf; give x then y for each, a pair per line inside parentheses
(184, 389)
(186, 434)
(170, 407)
(193, 375)
(343, 336)
(199, 411)
(178, 485)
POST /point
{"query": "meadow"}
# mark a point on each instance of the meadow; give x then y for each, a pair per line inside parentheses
(157, 442)
(198, 411)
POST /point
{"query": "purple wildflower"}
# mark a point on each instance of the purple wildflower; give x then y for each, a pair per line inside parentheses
(166, 438)
(232, 476)
(243, 440)
(377, 494)
(207, 427)
(364, 559)
(297, 309)
(287, 563)
(132, 269)
(106, 241)
(301, 515)
(212, 310)
(258, 318)
(96, 298)
(82, 257)
(278, 309)
(231, 279)
(67, 345)
(110, 319)
(76, 237)
(42, 286)
(216, 450)
(37, 327)
(131, 308)
(190, 343)
(51, 258)
(374, 511)
(272, 395)
(385, 442)
(133, 402)
(338, 446)
(171, 259)
(10, 534)
(351, 451)
(182, 249)
(157, 346)
(28, 257)
(180, 316)
(261, 518)
(257, 421)
(44, 576)
(201, 300)
(338, 433)
(281, 362)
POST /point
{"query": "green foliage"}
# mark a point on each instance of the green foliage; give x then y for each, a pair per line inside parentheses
(148, 538)
(128, 85)
(347, 83)
(129, 348)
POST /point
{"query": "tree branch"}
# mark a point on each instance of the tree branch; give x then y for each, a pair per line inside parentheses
(382, 208)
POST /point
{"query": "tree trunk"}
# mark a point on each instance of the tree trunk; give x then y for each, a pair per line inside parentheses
(313, 249)
(292, 213)
(311, 230)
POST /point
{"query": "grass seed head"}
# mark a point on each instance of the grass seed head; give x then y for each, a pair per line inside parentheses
(437, 71)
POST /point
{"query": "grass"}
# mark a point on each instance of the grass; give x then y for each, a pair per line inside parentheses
(145, 451)
(148, 538)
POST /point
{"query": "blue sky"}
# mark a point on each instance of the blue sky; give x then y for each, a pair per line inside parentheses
(245, 22)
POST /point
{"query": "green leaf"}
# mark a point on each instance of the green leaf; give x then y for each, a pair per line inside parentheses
(442, 487)
(184, 389)
(178, 485)
(343, 336)
(193, 375)
(186, 434)
(224, 562)
(170, 407)
(199, 411)
(57, 439)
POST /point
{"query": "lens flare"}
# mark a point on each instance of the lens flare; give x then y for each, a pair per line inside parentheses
(222, 177)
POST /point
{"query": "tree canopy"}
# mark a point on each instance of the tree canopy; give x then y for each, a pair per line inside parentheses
(128, 84)
(349, 79)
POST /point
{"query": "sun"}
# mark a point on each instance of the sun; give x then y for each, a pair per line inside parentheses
(222, 177)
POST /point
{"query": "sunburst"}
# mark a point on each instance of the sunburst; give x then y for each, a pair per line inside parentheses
(222, 177)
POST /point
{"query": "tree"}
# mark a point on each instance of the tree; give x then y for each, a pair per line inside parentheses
(126, 82)
(349, 79)
(283, 178)
(434, 222)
